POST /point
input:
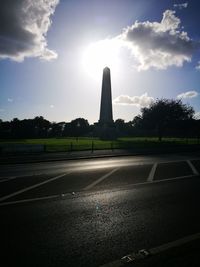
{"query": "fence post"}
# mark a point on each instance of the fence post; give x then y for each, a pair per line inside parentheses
(111, 146)
(92, 146)
(71, 146)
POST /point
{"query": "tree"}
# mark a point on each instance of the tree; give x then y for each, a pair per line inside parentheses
(120, 127)
(41, 126)
(161, 115)
(56, 129)
(5, 129)
(15, 128)
(77, 127)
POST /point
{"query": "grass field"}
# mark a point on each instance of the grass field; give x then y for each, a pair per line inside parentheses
(84, 143)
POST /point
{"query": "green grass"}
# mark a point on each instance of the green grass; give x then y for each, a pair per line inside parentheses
(84, 143)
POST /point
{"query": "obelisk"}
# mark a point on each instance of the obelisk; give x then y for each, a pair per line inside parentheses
(106, 115)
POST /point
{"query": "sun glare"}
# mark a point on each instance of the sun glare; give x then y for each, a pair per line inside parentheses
(99, 55)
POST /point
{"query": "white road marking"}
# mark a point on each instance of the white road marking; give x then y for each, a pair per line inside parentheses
(162, 180)
(100, 164)
(175, 160)
(153, 251)
(194, 170)
(152, 172)
(9, 178)
(100, 179)
(169, 179)
(124, 187)
(28, 200)
(32, 187)
(5, 179)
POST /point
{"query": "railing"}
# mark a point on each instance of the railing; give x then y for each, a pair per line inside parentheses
(92, 145)
(112, 145)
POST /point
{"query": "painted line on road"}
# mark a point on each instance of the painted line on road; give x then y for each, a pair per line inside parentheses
(74, 166)
(127, 187)
(100, 179)
(5, 179)
(10, 178)
(194, 170)
(27, 200)
(157, 181)
(168, 179)
(144, 253)
(152, 172)
(33, 186)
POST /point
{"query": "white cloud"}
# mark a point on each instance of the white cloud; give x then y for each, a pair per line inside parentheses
(51, 106)
(198, 66)
(181, 6)
(24, 26)
(2, 110)
(197, 115)
(189, 94)
(159, 44)
(139, 101)
(10, 100)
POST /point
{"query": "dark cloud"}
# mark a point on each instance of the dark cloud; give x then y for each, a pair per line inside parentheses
(23, 27)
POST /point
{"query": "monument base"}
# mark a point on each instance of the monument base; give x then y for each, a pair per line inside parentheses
(105, 131)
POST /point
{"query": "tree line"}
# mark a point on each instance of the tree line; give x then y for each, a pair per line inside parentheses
(164, 117)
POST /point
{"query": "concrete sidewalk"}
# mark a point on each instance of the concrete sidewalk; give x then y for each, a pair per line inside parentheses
(57, 156)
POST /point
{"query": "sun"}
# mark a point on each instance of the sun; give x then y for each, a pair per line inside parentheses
(100, 54)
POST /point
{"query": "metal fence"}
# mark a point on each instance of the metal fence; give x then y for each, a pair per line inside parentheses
(98, 145)
(112, 145)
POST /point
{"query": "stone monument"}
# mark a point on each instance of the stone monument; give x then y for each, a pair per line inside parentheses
(105, 128)
(106, 115)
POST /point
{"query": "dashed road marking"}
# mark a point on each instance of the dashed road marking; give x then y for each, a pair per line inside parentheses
(100, 179)
(194, 170)
(33, 186)
(152, 172)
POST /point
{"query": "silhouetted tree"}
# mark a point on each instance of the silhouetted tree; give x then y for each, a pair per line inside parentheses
(16, 128)
(169, 117)
(161, 115)
(77, 127)
(5, 129)
(41, 126)
(56, 129)
(121, 127)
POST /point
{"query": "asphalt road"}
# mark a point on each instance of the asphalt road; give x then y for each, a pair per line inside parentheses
(92, 212)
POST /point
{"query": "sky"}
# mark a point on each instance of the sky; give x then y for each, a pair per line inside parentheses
(52, 55)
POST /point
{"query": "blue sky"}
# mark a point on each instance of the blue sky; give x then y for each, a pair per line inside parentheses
(50, 74)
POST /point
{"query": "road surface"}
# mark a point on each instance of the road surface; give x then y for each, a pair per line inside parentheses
(93, 212)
